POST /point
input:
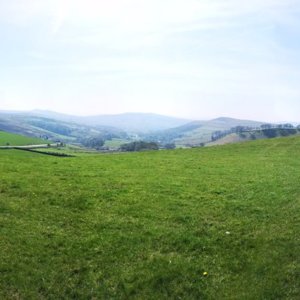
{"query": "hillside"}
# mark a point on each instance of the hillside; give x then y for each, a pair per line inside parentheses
(130, 122)
(203, 133)
(197, 132)
(55, 130)
(111, 131)
(205, 223)
(18, 140)
(253, 135)
(136, 122)
(74, 129)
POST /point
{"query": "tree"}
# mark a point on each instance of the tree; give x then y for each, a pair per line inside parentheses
(288, 126)
(266, 126)
(94, 142)
(169, 146)
(270, 133)
(139, 146)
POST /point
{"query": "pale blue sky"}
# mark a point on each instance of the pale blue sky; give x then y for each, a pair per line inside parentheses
(191, 58)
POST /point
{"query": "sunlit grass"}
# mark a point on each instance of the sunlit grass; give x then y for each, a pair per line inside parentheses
(209, 223)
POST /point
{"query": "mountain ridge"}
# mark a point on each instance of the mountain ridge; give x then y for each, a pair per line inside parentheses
(124, 127)
(131, 121)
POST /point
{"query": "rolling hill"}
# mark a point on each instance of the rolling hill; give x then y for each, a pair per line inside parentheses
(55, 130)
(115, 130)
(130, 122)
(73, 129)
(197, 132)
(253, 135)
(202, 134)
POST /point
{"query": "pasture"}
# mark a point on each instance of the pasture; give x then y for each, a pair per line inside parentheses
(206, 223)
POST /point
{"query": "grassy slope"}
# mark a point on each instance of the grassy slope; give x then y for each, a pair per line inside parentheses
(67, 131)
(236, 138)
(147, 225)
(18, 140)
(204, 132)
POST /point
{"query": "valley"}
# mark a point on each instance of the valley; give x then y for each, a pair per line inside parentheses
(110, 132)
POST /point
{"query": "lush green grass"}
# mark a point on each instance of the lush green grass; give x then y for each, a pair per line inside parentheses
(148, 225)
(18, 140)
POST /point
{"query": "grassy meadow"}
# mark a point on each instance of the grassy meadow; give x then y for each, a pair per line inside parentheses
(206, 223)
(10, 139)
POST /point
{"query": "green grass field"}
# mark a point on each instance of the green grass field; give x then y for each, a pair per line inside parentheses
(149, 225)
(18, 140)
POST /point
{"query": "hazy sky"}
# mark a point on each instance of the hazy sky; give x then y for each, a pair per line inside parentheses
(191, 58)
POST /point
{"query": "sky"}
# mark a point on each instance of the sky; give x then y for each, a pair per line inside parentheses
(196, 59)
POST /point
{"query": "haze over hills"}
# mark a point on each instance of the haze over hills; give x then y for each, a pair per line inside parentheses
(36, 125)
(76, 129)
(203, 132)
(197, 132)
(131, 122)
(122, 127)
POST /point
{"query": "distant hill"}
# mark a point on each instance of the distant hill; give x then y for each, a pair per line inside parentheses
(197, 132)
(118, 129)
(254, 135)
(130, 122)
(10, 139)
(39, 126)
(203, 133)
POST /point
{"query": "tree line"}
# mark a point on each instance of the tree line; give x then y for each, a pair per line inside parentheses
(268, 130)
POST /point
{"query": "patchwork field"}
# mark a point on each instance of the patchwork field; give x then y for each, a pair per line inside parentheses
(208, 223)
